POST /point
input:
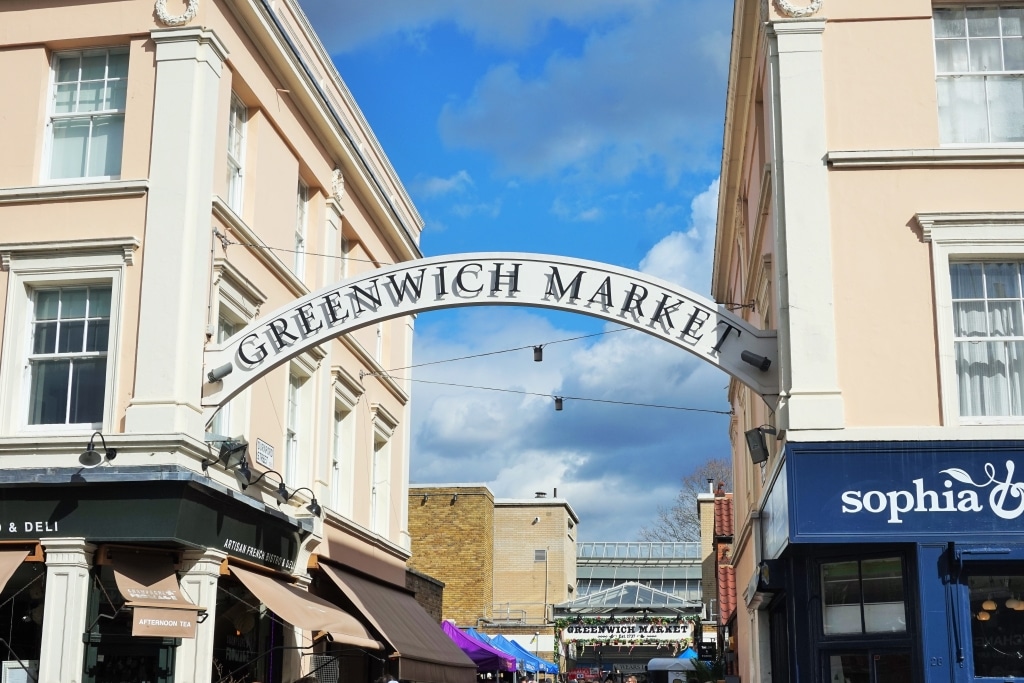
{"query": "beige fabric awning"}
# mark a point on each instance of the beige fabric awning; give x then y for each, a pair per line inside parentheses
(149, 584)
(10, 560)
(425, 652)
(305, 610)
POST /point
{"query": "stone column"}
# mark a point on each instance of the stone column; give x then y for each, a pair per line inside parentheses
(67, 603)
(176, 254)
(193, 661)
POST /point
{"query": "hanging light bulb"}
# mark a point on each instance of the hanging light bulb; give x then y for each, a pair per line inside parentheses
(989, 605)
(1011, 603)
(984, 616)
(1019, 607)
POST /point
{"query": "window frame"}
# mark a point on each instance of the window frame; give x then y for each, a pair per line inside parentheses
(52, 116)
(48, 265)
(957, 237)
(384, 426)
(347, 393)
(302, 197)
(235, 190)
(1010, 564)
(983, 75)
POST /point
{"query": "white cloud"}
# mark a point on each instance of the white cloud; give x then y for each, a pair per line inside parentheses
(508, 25)
(433, 187)
(685, 257)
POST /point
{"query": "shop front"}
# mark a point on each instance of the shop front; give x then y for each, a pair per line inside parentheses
(894, 561)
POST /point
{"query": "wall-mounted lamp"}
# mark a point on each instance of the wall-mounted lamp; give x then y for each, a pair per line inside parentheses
(424, 501)
(249, 481)
(535, 520)
(232, 452)
(760, 362)
(558, 402)
(455, 497)
(313, 507)
(91, 458)
(538, 353)
(243, 474)
(217, 374)
(756, 444)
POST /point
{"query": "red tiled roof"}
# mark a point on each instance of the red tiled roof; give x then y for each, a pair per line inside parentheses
(726, 584)
(723, 515)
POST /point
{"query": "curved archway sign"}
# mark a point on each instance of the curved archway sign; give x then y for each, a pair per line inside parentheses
(675, 315)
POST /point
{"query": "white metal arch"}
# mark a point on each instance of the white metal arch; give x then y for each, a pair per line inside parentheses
(680, 317)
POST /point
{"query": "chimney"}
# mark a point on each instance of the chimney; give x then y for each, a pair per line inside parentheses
(555, 493)
(541, 494)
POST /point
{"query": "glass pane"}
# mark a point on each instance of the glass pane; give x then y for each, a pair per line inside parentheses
(64, 98)
(99, 302)
(44, 338)
(72, 336)
(849, 668)
(1002, 280)
(69, 143)
(963, 115)
(115, 95)
(840, 589)
(47, 304)
(90, 96)
(73, 303)
(117, 66)
(1006, 108)
(883, 595)
(1013, 54)
(966, 279)
(951, 55)
(48, 403)
(985, 54)
(67, 69)
(96, 335)
(984, 383)
(107, 140)
(94, 66)
(1004, 319)
(969, 319)
(1012, 21)
(982, 21)
(996, 628)
(950, 23)
(87, 384)
(893, 667)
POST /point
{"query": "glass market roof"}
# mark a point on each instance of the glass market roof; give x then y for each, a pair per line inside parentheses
(629, 598)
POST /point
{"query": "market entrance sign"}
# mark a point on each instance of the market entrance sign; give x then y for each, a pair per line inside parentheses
(680, 317)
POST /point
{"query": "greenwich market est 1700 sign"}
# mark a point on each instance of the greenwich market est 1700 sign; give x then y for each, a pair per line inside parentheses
(671, 313)
(628, 631)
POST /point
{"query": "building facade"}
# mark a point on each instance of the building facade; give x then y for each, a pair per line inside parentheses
(165, 178)
(872, 154)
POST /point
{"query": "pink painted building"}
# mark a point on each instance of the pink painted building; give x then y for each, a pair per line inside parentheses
(169, 170)
(871, 213)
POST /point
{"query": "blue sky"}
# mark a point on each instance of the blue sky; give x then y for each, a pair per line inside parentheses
(583, 128)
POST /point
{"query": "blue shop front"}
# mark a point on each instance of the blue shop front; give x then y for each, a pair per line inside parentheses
(890, 562)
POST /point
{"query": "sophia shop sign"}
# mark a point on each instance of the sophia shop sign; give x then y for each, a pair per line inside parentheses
(630, 298)
(628, 631)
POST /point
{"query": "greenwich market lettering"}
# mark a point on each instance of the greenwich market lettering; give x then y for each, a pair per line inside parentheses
(1005, 499)
(626, 631)
(634, 299)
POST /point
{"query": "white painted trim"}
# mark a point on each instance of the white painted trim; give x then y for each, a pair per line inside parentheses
(936, 157)
(260, 251)
(982, 234)
(69, 191)
(384, 423)
(102, 251)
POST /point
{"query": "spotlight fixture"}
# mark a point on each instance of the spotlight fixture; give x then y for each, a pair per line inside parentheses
(232, 451)
(558, 402)
(538, 353)
(756, 444)
(243, 474)
(760, 362)
(91, 458)
(217, 374)
(313, 507)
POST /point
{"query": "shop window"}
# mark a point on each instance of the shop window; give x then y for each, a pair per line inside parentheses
(869, 666)
(979, 60)
(863, 596)
(87, 105)
(247, 637)
(997, 620)
(22, 604)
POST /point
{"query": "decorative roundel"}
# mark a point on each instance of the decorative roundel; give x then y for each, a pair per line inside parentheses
(790, 11)
(179, 19)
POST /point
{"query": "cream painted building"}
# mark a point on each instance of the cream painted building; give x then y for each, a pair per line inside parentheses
(871, 213)
(171, 170)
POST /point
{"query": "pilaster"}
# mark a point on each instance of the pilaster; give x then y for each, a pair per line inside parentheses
(811, 397)
(193, 660)
(67, 603)
(176, 253)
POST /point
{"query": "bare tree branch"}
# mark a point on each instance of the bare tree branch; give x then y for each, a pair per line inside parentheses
(680, 522)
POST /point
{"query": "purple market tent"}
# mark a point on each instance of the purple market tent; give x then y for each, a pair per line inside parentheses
(485, 657)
